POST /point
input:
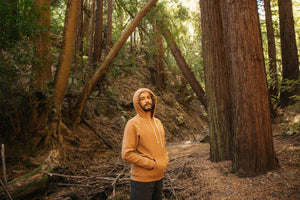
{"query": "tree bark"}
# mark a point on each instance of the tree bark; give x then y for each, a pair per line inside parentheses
(79, 36)
(109, 26)
(290, 63)
(159, 55)
(216, 80)
(65, 60)
(98, 33)
(112, 54)
(273, 85)
(42, 63)
(187, 72)
(92, 34)
(253, 151)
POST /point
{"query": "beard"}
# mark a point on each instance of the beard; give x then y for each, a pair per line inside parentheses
(147, 109)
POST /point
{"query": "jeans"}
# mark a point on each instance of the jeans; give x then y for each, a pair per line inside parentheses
(146, 190)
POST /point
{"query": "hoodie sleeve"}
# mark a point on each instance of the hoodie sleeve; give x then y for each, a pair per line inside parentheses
(129, 152)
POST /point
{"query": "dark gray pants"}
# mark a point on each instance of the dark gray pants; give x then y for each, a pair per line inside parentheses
(146, 190)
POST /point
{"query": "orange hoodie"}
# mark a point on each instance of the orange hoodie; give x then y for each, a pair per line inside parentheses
(144, 144)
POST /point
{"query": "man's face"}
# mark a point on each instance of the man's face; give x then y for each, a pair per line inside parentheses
(145, 101)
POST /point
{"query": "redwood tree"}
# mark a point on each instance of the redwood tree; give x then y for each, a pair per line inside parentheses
(98, 33)
(109, 26)
(273, 84)
(253, 150)
(186, 70)
(42, 63)
(159, 55)
(290, 63)
(216, 80)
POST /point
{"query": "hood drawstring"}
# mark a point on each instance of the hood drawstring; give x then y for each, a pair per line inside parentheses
(156, 133)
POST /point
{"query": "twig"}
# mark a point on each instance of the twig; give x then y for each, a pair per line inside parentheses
(6, 190)
(77, 185)
(85, 177)
(4, 182)
(3, 164)
(115, 181)
(172, 189)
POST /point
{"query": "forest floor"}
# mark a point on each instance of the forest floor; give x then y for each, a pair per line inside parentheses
(190, 174)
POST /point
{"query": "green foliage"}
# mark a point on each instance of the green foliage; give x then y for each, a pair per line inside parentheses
(17, 21)
(58, 17)
(290, 86)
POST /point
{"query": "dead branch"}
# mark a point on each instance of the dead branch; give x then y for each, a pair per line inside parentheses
(4, 182)
(3, 165)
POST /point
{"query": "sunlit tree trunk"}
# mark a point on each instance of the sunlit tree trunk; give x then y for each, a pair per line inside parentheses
(109, 26)
(42, 63)
(77, 111)
(65, 60)
(253, 151)
(216, 80)
(290, 63)
(273, 84)
(98, 32)
(187, 72)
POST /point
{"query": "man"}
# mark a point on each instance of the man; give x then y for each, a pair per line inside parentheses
(144, 146)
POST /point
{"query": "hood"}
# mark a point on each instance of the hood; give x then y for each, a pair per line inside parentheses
(138, 107)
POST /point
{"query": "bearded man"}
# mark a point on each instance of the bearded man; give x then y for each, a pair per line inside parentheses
(144, 146)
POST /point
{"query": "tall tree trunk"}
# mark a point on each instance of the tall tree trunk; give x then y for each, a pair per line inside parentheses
(187, 72)
(271, 52)
(98, 33)
(109, 26)
(112, 54)
(290, 63)
(159, 55)
(42, 64)
(79, 36)
(253, 151)
(92, 34)
(216, 80)
(65, 60)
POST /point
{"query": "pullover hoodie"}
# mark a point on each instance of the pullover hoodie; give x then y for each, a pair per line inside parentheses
(144, 144)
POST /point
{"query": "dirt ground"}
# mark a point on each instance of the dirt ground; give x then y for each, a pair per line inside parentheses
(190, 174)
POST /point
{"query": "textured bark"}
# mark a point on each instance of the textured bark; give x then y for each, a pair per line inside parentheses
(159, 55)
(273, 85)
(98, 33)
(77, 111)
(109, 26)
(91, 46)
(216, 80)
(290, 62)
(65, 60)
(42, 63)
(253, 151)
(187, 72)
(79, 36)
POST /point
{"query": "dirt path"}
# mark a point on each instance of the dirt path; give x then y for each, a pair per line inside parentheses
(191, 175)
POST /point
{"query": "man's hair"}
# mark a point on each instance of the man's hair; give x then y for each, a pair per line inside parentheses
(151, 95)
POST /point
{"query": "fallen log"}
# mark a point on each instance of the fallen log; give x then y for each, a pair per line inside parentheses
(34, 181)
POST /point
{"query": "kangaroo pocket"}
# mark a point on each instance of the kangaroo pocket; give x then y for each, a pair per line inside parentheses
(157, 172)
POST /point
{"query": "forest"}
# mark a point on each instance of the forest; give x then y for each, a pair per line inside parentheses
(225, 73)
